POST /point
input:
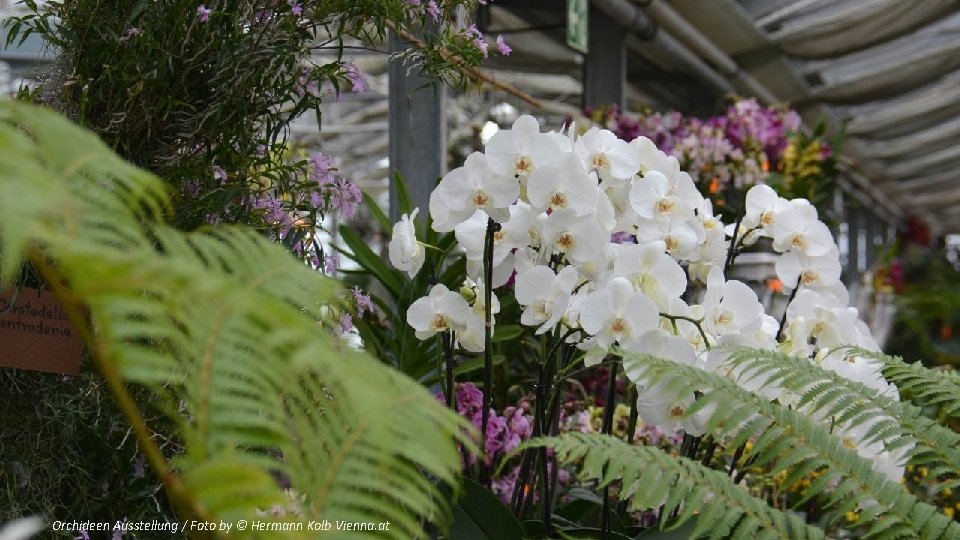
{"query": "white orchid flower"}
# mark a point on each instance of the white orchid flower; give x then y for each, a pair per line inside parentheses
(679, 237)
(405, 251)
(652, 158)
(828, 321)
(651, 271)
(617, 313)
(763, 205)
(814, 272)
(523, 229)
(467, 189)
(519, 151)
(604, 152)
(718, 361)
(441, 311)
(656, 197)
(656, 404)
(799, 229)
(730, 306)
(544, 295)
(564, 185)
(471, 234)
(471, 337)
(580, 240)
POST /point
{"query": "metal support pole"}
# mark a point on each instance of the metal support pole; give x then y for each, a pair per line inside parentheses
(871, 228)
(605, 68)
(852, 269)
(417, 133)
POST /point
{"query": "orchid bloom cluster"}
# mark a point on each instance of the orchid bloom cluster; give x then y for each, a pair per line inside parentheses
(739, 148)
(603, 238)
(504, 432)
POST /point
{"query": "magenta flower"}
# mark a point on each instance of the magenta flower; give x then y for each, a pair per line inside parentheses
(345, 197)
(129, 33)
(316, 200)
(503, 486)
(482, 45)
(330, 263)
(358, 81)
(193, 188)
(362, 301)
(322, 167)
(433, 10)
(220, 174)
(296, 8)
(274, 213)
(502, 47)
(470, 402)
(305, 84)
(203, 13)
(346, 323)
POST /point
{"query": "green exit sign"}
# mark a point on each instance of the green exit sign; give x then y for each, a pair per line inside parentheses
(577, 27)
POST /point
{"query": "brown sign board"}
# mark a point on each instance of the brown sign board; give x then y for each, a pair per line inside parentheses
(36, 334)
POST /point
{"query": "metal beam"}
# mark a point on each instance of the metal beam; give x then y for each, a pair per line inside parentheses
(705, 47)
(871, 229)
(913, 167)
(605, 69)
(417, 133)
(659, 44)
(940, 134)
(927, 183)
(854, 224)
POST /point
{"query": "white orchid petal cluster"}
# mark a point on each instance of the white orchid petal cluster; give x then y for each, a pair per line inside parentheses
(605, 240)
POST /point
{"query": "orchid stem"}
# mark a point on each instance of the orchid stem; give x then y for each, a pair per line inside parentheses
(631, 428)
(731, 255)
(448, 365)
(542, 388)
(783, 319)
(492, 227)
(606, 429)
(696, 322)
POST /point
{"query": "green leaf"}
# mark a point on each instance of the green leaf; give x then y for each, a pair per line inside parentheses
(403, 196)
(465, 367)
(479, 515)
(370, 261)
(378, 214)
(506, 332)
(583, 504)
(590, 532)
(682, 532)
(229, 330)
(651, 477)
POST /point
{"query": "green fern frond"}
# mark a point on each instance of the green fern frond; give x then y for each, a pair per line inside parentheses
(652, 477)
(931, 387)
(896, 424)
(787, 440)
(231, 328)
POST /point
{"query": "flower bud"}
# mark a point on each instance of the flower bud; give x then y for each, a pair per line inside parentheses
(468, 293)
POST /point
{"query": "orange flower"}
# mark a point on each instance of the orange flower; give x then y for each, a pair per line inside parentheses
(775, 285)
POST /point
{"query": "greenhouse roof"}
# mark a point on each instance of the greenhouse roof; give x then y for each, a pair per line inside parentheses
(889, 69)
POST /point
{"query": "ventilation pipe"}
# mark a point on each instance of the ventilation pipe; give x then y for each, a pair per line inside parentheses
(633, 19)
(667, 17)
